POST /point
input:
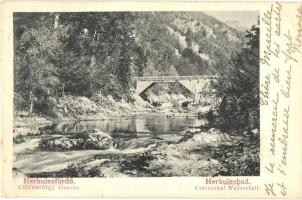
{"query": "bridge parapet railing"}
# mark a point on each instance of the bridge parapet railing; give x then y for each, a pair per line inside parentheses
(173, 78)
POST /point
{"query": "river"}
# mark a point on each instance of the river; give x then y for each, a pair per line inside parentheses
(135, 134)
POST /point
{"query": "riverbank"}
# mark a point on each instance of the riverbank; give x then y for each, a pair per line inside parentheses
(71, 108)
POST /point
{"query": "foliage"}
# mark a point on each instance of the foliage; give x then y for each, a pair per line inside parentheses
(238, 84)
(71, 53)
(238, 160)
(35, 60)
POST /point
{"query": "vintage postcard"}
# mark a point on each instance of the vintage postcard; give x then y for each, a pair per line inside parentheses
(151, 99)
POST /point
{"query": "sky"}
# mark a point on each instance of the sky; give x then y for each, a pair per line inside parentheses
(245, 18)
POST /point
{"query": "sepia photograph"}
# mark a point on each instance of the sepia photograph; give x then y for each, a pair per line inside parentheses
(136, 94)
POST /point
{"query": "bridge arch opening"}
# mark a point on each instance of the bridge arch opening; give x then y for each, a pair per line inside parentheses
(160, 94)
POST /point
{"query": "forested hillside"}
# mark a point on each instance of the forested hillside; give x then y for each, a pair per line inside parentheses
(184, 43)
(82, 54)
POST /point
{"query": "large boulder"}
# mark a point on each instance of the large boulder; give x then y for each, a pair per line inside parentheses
(213, 137)
(92, 140)
(99, 140)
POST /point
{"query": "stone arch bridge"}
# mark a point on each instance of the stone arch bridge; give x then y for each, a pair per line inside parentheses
(194, 84)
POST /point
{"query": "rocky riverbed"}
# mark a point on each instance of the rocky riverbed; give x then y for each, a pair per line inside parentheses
(195, 152)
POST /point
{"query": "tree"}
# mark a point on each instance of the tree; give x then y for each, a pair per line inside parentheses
(238, 82)
(37, 48)
(189, 37)
(101, 46)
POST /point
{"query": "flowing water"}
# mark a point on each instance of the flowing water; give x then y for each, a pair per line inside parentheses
(135, 133)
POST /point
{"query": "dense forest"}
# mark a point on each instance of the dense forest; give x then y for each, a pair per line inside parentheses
(82, 54)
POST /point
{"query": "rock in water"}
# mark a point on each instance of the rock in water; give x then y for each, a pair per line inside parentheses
(99, 140)
(93, 140)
